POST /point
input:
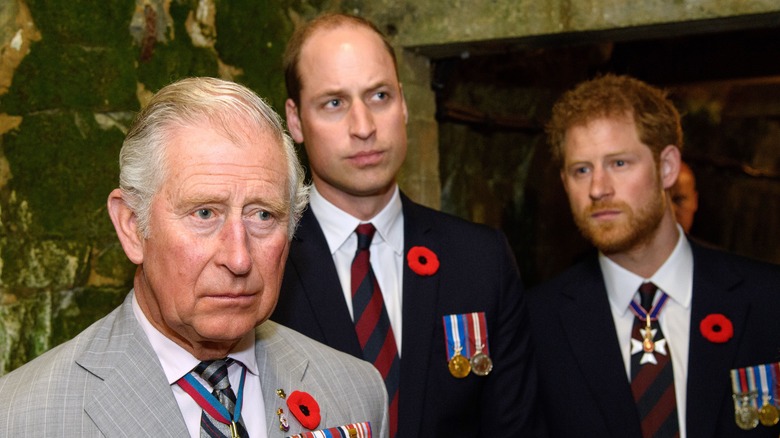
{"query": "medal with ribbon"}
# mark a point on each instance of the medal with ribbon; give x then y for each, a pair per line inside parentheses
(745, 397)
(211, 404)
(481, 364)
(768, 414)
(467, 345)
(756, 395)
(455, 334)
(648, 345)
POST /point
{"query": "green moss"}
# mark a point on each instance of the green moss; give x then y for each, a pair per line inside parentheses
(64, 165)
(177, 58)
(257, 52)
(24, 333)
(34, 324)
(85, 59)
(85, 22)
(72, 76)
(111, 262)
(77, 309)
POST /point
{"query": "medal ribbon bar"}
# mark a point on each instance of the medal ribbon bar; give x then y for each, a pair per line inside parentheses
(455, 329)
(355, 430)
(478, 333)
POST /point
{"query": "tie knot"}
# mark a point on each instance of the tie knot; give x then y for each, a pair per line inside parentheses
(215, 372)
(646, 294)
(365, 232)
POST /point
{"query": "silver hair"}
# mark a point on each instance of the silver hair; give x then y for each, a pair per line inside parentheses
(188, 102)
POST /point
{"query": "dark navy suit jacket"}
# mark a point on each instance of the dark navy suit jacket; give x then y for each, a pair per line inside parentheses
(582, 379)
(477, 273)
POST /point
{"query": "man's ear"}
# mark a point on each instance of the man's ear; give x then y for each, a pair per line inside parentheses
(293, 121)
(669, 165)
(126, 226)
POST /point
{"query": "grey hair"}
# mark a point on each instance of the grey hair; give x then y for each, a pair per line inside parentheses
(188, 102)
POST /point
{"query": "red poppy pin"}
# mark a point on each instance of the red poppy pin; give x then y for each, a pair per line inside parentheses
(304, 408)
(716, 328)
(422, 261)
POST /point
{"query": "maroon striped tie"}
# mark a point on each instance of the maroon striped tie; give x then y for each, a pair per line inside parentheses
(372, 323)
(653, 383)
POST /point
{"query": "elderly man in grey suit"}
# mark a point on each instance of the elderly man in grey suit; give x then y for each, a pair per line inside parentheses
(210, 194)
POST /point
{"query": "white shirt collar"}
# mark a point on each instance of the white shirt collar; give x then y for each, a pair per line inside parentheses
(176, 361)
(675, 277)
(338, 225)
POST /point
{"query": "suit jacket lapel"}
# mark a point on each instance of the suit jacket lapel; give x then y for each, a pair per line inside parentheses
(310, 253)
(281, 366)
(122, 358)
(708, 379)
(420, 295)
(590, 329)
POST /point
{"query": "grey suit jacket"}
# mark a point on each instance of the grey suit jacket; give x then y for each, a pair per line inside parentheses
(107, 381)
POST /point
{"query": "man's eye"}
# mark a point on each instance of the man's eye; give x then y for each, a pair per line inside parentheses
(204, 213)
(264, 215)
(620, 163)
(333, 103)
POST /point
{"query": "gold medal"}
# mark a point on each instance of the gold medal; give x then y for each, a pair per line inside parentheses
(745, 414)
(481, 364)
(459, 366)
(746, 417)
(768, 415)
(647, 344)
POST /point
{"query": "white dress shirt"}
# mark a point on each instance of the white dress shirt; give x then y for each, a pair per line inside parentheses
(675, 278)
(177, 362)
(387, 249)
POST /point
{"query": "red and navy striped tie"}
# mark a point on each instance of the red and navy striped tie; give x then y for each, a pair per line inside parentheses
(653, 383)
(372, 323)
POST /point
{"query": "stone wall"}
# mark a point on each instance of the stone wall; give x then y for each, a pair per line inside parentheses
(74, 72)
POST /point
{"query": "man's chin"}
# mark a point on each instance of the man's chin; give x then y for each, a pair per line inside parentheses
(609, 239)
(227, 328)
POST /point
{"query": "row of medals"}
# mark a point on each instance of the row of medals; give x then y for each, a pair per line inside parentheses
(479, 363)
(748, 416)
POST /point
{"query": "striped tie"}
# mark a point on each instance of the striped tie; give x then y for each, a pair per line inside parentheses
(652, 382)
(216, 373)
(372, 323)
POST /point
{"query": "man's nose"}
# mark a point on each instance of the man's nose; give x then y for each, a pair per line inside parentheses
(361, 120)
(235, 247)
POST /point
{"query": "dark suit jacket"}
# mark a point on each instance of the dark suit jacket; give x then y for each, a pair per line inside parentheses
(478, 273)
(582, 379)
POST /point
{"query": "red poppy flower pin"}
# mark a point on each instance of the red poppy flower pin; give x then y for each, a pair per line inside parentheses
(422, 261)
(304, 408)
(716, 328)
